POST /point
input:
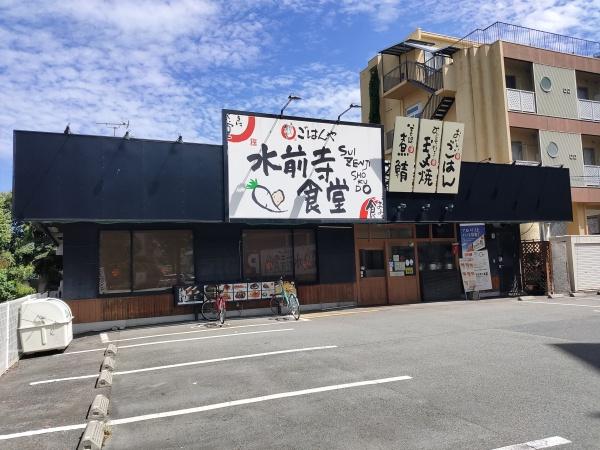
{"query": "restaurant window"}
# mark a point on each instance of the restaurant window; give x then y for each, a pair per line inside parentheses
(115, 261)
(145, 260)
(305, 256)
(371, 263)
(422, 230)
(401, 231)
(270, 254)
(162, 258)
(442, 230)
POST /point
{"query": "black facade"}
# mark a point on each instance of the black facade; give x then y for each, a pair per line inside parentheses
(84, 185)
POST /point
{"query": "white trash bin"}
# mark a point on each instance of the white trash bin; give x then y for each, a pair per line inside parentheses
(45, 324)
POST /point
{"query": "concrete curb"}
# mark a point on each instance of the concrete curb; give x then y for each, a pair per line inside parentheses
(104, 379)
(99, 408)
(93, 436)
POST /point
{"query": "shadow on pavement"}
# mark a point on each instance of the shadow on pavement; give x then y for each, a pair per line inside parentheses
(587, 352)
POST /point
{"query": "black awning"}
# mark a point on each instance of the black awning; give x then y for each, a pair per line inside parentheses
(408, 45)
(491, 193)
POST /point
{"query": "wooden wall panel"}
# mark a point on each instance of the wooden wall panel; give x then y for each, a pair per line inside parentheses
(157, 305)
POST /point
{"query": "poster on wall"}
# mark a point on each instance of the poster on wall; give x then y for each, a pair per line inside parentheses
(404, 152)
(472, 237)
(450, 157)
(428, 153)
(299, 168)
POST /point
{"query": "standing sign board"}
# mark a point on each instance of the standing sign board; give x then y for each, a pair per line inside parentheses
(404, 151)
(450, 157)
(281, 167)
(472, 237)
(475, 271)
(428, 152)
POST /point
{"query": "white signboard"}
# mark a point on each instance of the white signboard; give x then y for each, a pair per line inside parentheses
(404, 151)
(450, 157)
(428, 152)
(296, 168)
(475, 270)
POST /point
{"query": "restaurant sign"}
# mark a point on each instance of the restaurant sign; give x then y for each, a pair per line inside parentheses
(426, 156)
(299, 168)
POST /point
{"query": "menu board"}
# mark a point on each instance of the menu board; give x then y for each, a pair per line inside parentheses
(267, 289)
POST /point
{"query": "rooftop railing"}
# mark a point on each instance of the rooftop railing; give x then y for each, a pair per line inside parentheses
(516, 34)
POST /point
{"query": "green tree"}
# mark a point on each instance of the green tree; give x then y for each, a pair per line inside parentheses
(374, 116)
(27, 255)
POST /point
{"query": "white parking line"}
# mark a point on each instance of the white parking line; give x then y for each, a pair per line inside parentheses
(541, 443)
(561, 304)
(188, 332)
(103, 338)
(191, 363)
(177, 340)
(181, 412)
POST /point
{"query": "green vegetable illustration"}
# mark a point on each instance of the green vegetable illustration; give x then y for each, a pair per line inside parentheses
(263, 197)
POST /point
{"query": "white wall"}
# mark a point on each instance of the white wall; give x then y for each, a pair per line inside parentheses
(10, 347)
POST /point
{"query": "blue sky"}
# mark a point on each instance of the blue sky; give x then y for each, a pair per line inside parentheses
(170, 67)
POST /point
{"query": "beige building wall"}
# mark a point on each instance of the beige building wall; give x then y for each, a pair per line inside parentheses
(561, 99)
(570, 154)
(480, 102)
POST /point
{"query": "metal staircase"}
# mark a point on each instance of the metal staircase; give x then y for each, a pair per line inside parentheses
(437, 107)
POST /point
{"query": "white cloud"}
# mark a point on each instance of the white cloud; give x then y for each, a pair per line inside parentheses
(169, 67)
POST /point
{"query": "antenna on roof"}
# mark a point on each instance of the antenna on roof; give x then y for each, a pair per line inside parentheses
(115, 125)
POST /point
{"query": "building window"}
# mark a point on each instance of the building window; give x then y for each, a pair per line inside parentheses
(269, 254)
(145, 260)
(583, 93)
(162, 259)
(115, 262)
(589, 158)
(511, 82)
(414, 110)
(517, 150)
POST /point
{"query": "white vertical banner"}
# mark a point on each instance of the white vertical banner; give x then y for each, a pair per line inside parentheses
(404, 152)
(428, 151)
(450, 157)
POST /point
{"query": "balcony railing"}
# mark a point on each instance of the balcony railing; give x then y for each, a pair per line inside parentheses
(592, 175)
(589, 110)
(429, 77)
(522, 101)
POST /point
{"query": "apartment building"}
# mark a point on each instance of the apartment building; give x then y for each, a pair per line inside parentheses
(527, 97)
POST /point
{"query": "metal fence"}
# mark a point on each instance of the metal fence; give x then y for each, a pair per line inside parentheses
(500, 31)
(10, 347)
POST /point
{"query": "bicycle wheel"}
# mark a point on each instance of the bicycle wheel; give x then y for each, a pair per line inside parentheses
(276, 305)
(209, 311)
(222, 312)
(294, 306)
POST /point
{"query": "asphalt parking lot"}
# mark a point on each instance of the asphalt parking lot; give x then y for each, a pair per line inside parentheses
(457, 375)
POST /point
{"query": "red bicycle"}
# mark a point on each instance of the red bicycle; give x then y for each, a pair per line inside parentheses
(214, 306)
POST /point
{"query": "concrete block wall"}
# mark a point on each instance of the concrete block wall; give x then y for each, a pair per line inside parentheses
(10, 346)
